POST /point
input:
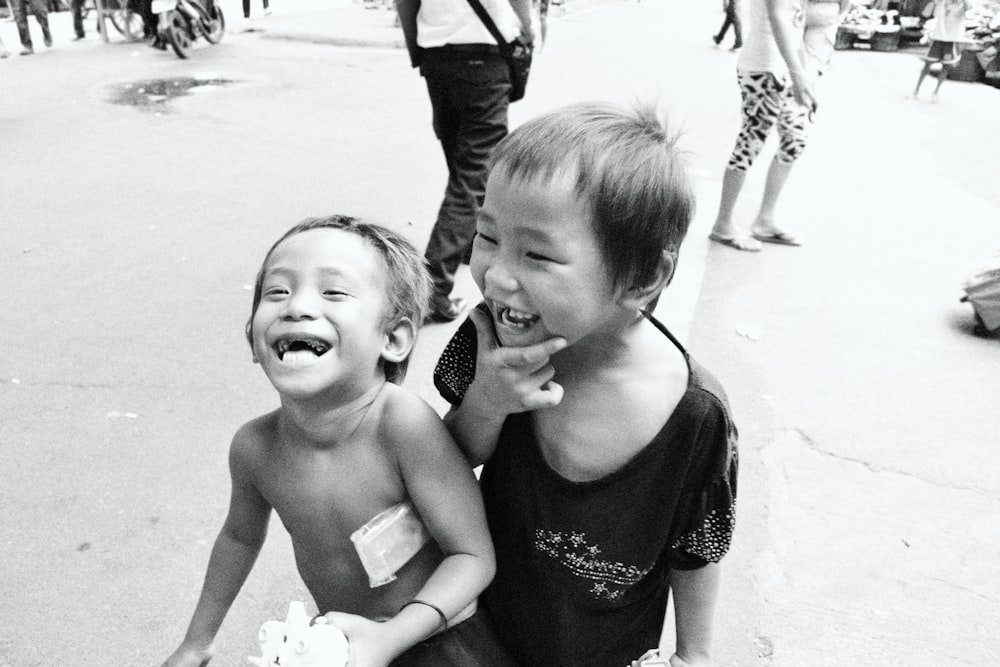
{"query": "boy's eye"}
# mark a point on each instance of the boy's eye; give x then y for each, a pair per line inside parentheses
(484, 237)
(275, 291)
(537, 257)
(334, 293)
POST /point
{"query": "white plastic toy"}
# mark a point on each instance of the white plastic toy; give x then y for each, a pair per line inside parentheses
(295, 643)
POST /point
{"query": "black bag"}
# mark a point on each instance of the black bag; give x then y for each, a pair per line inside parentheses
(517, 53)
(519, 61)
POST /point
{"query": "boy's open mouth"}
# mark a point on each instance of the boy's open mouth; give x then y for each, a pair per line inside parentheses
(514, 318)
(313, 346)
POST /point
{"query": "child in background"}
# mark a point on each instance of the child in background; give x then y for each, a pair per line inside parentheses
(948, 28)
(610, 459)
(336, 308)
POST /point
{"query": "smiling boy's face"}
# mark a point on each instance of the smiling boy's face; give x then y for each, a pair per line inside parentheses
(536, 260)
(319, 325)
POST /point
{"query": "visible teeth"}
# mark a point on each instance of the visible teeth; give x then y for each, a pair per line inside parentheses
(283, 346)
(517, 318)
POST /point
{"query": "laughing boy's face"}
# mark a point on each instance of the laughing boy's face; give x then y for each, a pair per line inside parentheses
(319, 326)
(537, 262)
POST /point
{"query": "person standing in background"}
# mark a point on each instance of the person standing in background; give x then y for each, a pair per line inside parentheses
(246, 8)
(948, 29)
(776, 89)
(21, 9)
(732, 9)
(76, 6)
(823, 17)
(468, 82)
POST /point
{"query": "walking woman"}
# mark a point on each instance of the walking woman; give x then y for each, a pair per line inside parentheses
(776, 90)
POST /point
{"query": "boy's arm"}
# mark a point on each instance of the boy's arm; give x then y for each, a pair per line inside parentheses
(233, 555)
(695, 593)
(446, 495)
(508, 380)
(407, 11)
(779, 14)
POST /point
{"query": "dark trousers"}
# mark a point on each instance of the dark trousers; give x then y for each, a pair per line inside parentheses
(77, 7)
(471, 643)
(150, 21)
(468, 93)
(246, 8)
(732, 19)
(21, 9)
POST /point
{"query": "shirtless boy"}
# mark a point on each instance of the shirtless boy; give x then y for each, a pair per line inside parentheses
(335, 313)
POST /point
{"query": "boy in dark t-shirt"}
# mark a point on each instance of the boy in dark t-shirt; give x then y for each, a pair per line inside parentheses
(610, 460)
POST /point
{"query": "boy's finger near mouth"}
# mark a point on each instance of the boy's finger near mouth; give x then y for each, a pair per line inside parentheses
(531, 355)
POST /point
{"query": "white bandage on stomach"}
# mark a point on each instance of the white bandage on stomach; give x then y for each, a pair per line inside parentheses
(389, 541)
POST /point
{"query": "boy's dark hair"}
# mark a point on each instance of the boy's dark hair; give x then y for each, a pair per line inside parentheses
(629, 169)
(408, 285)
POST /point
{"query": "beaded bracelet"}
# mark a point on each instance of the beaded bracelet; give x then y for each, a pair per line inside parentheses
(444, 619)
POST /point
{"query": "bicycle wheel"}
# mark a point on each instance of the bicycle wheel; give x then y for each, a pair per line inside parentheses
(117, 17)
(133, 27)
(177, 35)
(215, 27)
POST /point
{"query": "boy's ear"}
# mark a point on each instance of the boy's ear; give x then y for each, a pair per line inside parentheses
(641, 295)
(399, 339)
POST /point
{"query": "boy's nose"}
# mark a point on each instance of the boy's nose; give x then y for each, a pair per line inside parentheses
(499, 281)
(300, 305)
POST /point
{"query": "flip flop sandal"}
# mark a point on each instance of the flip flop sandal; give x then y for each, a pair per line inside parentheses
(734, 242)
(778, 238)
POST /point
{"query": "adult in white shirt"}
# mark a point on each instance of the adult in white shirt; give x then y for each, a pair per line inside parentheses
(468, 81)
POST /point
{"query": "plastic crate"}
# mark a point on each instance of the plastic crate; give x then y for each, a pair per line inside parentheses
(885, 41)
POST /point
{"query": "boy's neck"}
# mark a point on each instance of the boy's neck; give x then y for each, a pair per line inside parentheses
(614, 349)
(324, 421)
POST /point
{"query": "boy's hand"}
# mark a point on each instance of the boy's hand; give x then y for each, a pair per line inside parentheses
(367, 639)
(189, 656)
(513, 379)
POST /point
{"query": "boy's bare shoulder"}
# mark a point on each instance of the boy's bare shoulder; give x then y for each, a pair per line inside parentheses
(256, 434)
(406, 417)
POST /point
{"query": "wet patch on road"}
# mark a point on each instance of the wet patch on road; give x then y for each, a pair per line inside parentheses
(153, 95)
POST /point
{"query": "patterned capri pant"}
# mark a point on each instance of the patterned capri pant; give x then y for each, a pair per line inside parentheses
(767, 100)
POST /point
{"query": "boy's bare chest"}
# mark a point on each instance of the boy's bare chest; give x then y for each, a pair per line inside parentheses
(329, 493)
(598, 429)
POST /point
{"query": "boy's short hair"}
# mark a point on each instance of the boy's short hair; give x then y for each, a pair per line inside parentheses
(407, 284)
(629, 169)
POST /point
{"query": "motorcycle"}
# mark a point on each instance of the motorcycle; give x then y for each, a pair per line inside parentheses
(182, 21)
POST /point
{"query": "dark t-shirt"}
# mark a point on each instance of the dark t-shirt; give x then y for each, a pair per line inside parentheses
(583, 567)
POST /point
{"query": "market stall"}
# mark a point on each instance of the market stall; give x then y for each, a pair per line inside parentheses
(891, 25)
(883, 25)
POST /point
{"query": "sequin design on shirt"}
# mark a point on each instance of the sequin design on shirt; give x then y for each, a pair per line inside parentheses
(610, 579)
(456, 368)
(711, 541)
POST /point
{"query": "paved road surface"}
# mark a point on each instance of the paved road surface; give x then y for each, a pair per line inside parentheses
(128, 237)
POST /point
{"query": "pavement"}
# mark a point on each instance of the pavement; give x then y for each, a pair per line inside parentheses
(869, 499)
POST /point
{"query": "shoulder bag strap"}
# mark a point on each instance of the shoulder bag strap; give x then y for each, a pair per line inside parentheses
(487, 20)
